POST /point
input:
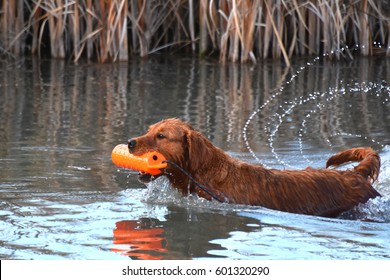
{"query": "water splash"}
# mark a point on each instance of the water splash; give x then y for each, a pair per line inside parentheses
(161, 192)
(318, 99)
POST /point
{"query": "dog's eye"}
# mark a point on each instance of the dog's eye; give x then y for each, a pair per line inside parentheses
(160, 136)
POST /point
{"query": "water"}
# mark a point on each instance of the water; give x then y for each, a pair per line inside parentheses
(62, 198)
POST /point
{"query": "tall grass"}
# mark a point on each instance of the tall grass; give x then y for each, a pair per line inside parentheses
(236, 30)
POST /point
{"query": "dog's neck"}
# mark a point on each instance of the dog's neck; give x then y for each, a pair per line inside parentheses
(201, 171)
(205, 183)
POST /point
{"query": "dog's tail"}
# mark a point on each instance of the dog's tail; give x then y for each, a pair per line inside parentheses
(368, 167)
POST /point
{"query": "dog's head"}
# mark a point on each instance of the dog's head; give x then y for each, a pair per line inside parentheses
(177, 141)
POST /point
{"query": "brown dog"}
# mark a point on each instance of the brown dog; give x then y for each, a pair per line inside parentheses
(195, 165)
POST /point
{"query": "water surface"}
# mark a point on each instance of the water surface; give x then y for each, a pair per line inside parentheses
(62, 198)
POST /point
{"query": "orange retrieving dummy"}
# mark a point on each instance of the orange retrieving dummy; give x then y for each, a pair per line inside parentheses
(150, 162)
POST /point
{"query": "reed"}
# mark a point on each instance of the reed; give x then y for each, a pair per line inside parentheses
(13, 34)
(237, 30)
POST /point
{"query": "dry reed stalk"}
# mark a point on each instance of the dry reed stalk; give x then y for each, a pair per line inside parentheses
(122, 35)
(298, 25)
(249, 13)
(332, 27)
(259, 32)
(152, 24)
(191, 24)
(313, 30)
(117, 30)
(168, 36)
(203, 34)
(238, 30)
(339, 30)
(223, 11)
(235, 32)
(19, 26)
(4, 24)
(382, 11)
(89, 37)
(277, 36)
(7, 23)
(13, 33)
(364, 34)
(302, 29)
(231, 35)
(101, 10)
(278, 42)
(34, 21)
(214, 22)
(89, 26)
(51, 12)
(113, 31)
(57, 28)
(75, 23)
(224, 27)
(268, 29)
(326, 33)
(223, 42)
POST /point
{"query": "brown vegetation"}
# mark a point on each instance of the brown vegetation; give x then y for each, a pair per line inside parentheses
(238, 30)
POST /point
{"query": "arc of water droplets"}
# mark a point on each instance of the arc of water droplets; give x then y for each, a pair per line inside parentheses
(297, 101)
(315, 95)
(274, 96)
(363, 87)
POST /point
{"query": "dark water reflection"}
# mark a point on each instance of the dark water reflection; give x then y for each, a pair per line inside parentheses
(61, 197)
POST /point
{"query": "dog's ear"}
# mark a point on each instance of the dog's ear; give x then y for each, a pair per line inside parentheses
(198, 150)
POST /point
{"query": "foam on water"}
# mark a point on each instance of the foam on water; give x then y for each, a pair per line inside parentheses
(160, 191)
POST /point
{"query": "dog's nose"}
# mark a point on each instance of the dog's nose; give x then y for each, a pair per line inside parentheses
(131, 143)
